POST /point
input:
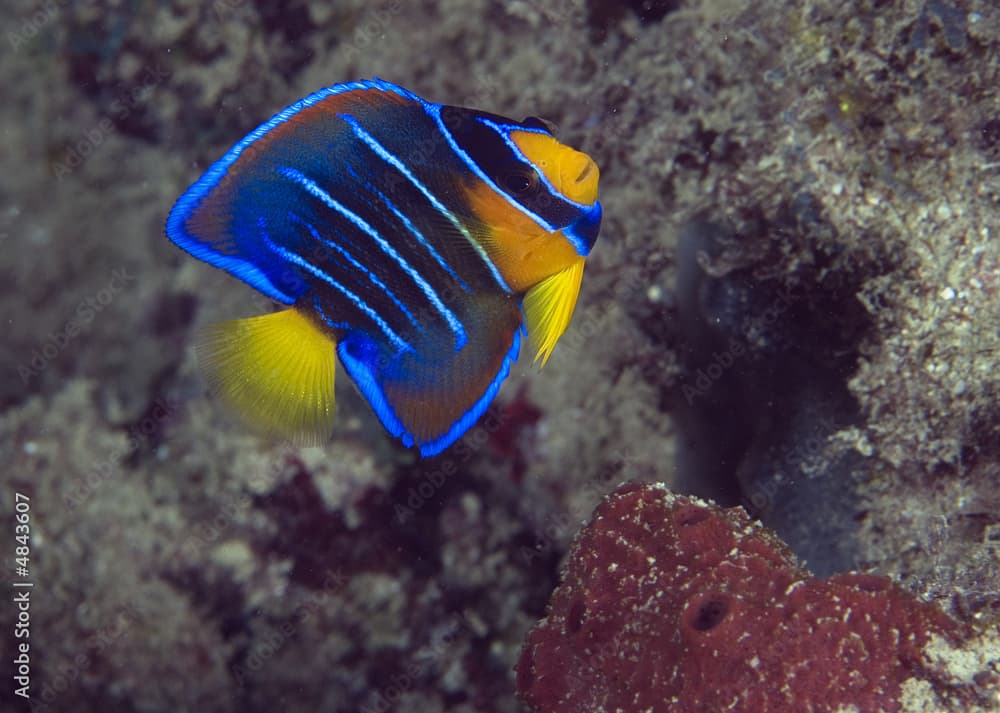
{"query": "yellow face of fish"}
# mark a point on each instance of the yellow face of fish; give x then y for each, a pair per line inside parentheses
(541, 214)
(536, 200)
(573, 174)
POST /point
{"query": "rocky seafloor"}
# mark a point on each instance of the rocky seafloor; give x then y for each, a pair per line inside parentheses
(794, 306)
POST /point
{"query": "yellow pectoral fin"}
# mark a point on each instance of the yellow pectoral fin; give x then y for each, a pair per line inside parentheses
(548, 307)
(276, 370)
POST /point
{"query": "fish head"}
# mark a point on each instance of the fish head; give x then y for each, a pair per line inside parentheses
(533, 200)
(567, 174)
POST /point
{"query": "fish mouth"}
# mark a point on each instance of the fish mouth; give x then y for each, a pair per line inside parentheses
(579, 176)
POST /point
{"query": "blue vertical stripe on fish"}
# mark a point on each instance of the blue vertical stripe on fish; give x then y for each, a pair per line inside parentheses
(353, 262)
(408, 224)
(361, 224)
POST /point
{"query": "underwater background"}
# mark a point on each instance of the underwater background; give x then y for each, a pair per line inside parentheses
(794, 306)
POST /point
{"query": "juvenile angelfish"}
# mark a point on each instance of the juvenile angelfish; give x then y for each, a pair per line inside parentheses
(414, 241)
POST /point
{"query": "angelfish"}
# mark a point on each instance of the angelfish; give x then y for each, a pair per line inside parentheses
(414, 241)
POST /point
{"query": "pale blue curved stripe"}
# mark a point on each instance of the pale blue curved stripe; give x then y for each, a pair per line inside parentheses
(504, 132)
(578, 243)
(357, 265)
(435, 111)
(387, 156)
(297, 259)
(314, 189)
(371, 385)
(326, 318)
(242, 268)
(420, 238)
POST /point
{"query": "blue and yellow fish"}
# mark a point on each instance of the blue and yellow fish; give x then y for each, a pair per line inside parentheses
(414, 241)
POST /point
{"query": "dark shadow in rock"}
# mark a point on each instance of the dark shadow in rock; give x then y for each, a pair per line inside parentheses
(767, 362)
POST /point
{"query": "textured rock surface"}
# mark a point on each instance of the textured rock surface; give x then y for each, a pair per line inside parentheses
(848, 149)
(671, 604)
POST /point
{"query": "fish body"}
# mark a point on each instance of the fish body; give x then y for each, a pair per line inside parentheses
(413, 241)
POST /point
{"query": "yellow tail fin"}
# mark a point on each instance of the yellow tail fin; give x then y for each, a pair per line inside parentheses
(548, 307)
(276, 370)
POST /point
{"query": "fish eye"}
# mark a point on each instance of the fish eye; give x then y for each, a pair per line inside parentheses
(519, 182)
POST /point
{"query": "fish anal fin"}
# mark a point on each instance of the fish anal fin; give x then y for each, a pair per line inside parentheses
(548, 308)
(276, 371)
(430, 395)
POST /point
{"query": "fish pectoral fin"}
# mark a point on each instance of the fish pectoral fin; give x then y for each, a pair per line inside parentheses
(428, 396)
(548, 308)
(276, 370)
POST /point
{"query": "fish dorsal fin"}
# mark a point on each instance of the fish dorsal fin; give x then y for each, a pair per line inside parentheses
(548, 308)
(219, 219)
(276, 370)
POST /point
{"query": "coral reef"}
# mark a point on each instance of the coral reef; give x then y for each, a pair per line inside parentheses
(409, 591)
(873, 205)
(670, 603)
(845, 153)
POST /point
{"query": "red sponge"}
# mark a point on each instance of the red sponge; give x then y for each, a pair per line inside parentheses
(671, 604)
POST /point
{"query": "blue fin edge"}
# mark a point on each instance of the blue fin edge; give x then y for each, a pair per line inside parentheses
(193, 196)
(367, 382)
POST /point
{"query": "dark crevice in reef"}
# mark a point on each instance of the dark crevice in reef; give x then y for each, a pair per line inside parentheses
(223, 601)
(766, 364)
(322, 543)
(91, 46)
(292, 23)
(220, 598)
(603, 15)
